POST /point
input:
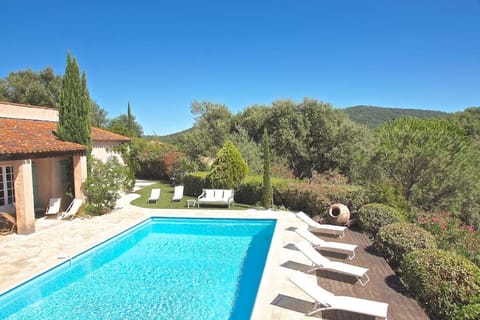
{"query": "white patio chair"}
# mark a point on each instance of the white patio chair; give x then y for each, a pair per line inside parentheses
(154, 195)
(320, 262)
(325, 300)
(321, 244)
(319, 227)
(72, 209)
(177, 193)
(53, 207)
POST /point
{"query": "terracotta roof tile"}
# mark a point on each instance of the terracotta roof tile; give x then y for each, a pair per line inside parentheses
(32, 137)
(104, 135)
(19, 136)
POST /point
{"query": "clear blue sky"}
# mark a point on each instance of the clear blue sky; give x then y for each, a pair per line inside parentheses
(161, 55)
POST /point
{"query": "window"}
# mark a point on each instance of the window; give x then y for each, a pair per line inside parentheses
(7, 191)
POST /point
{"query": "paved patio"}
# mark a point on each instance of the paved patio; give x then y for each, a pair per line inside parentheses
(22, 257)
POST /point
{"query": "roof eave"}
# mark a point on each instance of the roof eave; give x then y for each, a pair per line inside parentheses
(38, 155)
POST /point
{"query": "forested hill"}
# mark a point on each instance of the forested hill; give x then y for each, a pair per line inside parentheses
(369, 116)
(169, 138)
(373, 117)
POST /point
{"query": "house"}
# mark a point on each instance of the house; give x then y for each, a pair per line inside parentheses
(35, 165)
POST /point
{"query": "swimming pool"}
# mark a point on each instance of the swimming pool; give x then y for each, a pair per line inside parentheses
(163, 268)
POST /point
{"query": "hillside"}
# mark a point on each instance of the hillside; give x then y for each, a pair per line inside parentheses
(170, 138)
(369, 116)
(373, 117)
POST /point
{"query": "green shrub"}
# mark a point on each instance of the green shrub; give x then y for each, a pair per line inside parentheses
(228, 168)
(249, 191)
(388, 193)
(442, 281)
(354, 197)
(194, 182)
(315, 198)
(309, 198)
(468, 312)
(373, 216)
(397, 239)
(103, 185)
(289, 193)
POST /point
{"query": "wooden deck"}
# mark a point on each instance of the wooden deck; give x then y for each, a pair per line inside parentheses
(383, 286)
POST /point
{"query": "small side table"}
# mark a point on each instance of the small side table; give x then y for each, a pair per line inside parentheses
(191, 203)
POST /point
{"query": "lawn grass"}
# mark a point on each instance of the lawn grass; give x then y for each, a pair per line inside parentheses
(165, 200)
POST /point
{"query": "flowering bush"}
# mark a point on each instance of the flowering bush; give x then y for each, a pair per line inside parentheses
(150, 158)
(451, 234)
(103, 185)
(171, 158)
(177, 165)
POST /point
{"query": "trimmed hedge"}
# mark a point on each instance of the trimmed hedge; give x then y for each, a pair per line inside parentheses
(194, 182)
(315, 199)
(373, 216)
(442, 281)
(312, 198)
(395, 240)
(250, 190)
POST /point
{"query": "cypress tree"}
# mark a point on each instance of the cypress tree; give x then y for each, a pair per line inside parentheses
(130, 121)
(131, 152)
(267, 193)
(74, 106)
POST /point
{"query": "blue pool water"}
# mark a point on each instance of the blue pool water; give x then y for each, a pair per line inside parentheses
(164, 268)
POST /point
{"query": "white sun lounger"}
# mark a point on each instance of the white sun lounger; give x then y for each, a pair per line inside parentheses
(53, 207)
(154, 195)
(177, 193)
(72, 209)
(325, 300)
(321, 244)
(315, 226)
(320, 262)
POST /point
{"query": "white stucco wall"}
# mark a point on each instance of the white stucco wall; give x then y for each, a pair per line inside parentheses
(103, 150)
(17, 111)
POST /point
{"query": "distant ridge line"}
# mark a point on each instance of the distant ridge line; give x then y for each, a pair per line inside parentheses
(370, 116)
(373, 116)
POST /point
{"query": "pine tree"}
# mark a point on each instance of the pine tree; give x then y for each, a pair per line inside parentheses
(267, 193)
(74, 106)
